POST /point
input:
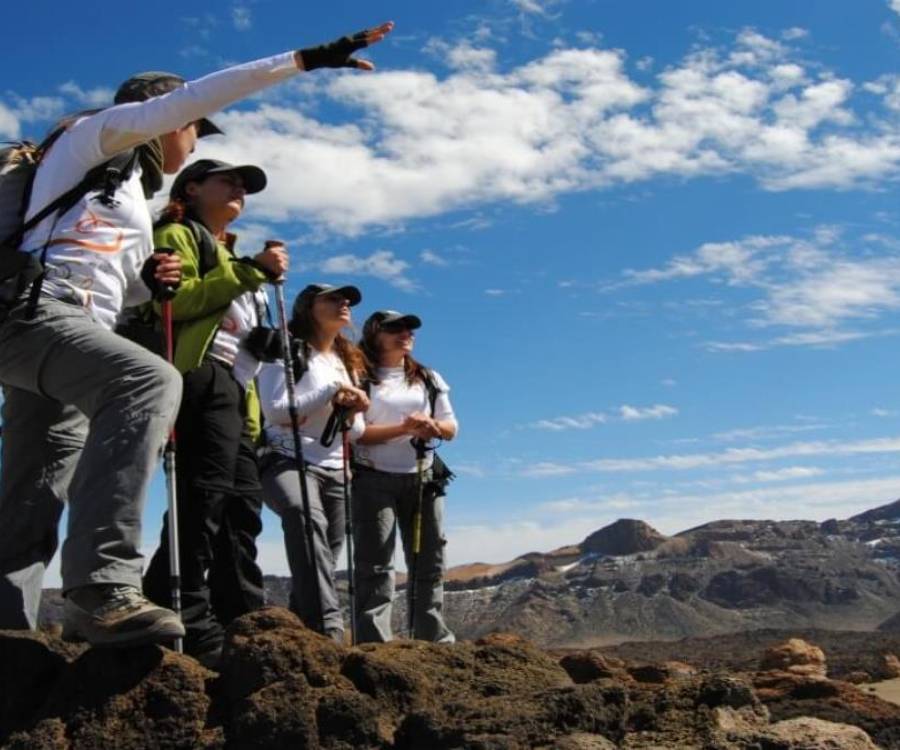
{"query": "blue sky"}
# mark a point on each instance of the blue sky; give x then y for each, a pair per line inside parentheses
(655, 245)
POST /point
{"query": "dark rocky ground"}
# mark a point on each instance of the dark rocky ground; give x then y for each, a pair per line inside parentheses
(281, 686)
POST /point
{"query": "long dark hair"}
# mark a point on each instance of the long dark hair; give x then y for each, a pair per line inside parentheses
(413, 370)
(302, 326)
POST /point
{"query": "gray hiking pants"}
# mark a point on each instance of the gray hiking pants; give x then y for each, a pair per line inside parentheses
(281, 492)
(381, 502)
(85, 415)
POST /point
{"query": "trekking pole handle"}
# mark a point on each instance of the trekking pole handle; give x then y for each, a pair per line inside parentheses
(166, 291)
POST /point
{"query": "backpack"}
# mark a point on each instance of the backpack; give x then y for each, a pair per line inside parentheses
(19, 162)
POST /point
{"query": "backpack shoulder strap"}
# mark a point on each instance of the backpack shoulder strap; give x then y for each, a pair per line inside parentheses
(431, 387)
(299, 358)
(206, 246)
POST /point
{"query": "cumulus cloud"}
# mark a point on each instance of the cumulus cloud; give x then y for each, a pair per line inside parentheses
(381, 264)
(569, 120)
(10, 126)
(99, 96)
(894, 5)
(433, 259)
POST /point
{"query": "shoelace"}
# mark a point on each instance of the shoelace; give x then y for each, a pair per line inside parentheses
(123, 597)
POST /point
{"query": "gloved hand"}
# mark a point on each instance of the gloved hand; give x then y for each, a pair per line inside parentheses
(337, 54)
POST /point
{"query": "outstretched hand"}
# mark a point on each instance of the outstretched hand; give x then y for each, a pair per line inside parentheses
(338, 54)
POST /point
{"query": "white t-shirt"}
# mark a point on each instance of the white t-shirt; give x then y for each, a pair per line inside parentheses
(313, 396)
(393, 400)
(97, 252)
(240, 318)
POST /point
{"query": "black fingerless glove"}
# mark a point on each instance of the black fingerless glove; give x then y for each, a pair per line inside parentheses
(336, 54)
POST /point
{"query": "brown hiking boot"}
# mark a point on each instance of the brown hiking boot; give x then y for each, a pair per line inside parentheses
(117, 615)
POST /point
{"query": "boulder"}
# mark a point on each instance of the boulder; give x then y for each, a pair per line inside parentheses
(795, 656)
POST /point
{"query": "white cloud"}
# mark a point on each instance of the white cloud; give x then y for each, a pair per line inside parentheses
(534, 7)
(788, 473)
(878, 411)
(815, 285)
(495, 292)
(636, 413)
(10, 126)
(382, 264)
(95, 97)
(894, 5)
(570, 120)
(547, 469)
(580, 422)
(690, 461)
(241, 17)
(433, 259)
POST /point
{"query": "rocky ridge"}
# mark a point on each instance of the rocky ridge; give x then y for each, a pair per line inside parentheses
(628, 581)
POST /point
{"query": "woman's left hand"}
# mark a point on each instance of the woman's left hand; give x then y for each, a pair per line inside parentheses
(168, 269)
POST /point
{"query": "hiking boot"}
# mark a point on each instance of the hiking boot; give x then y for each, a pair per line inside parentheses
(117, 615)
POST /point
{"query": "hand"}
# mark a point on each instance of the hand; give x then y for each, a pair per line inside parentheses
(161, 273)
(350, 397)
(416, 423)
(168, 269)
(337, 54)
(273, 259)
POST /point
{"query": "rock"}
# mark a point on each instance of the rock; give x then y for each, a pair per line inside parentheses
(730, 692)
(626, 536)
(807, 733)
(795, 656)
(587, 666)
(891, 665)
(119, 698)
(858, 677)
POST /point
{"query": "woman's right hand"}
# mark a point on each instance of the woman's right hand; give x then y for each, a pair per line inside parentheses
(273, 259)
(351, 397)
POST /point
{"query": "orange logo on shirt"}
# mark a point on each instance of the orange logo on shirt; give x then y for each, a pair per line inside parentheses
(88, 225)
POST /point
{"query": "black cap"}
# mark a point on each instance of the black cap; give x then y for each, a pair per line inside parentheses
(152, 83)
(254, 178)
(393, 319)
(351, 294)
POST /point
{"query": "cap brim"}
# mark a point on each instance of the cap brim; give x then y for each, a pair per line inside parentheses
(207, 127)
(253, 178)
(351, 294)
(410, 322)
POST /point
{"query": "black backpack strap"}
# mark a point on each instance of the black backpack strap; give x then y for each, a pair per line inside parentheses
(431, 387)
(299, 358)
(207, 246)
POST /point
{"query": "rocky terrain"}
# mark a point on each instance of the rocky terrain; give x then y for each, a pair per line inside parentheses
(627, 581)
(281, 686)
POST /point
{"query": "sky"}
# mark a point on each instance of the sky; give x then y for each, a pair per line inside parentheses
(655, 245)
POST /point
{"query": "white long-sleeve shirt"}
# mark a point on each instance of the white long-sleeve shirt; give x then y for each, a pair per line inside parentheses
(97, 252)
(312, 397)
(392, 401)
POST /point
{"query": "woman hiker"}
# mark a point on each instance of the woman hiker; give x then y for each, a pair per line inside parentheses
(326, 368)
(85, 411)
(410, 408)
(219, 303)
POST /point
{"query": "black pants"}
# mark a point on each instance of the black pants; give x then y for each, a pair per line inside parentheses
(219, 506)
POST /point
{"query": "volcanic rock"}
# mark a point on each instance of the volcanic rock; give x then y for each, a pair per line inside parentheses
(795, 656)
(624, 537)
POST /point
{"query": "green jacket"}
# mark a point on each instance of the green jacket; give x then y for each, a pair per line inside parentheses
(201, 302)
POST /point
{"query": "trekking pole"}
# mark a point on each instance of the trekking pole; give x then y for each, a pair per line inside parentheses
(340, 419)
(416, 545)
(348, 530)
(298, 451)
(169, 470)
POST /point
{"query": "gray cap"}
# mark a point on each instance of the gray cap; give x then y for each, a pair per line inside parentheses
(393, 319)
(351, 294)
(148, 84)
(253, 178)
